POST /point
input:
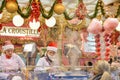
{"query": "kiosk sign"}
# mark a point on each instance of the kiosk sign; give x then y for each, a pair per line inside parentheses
(15, 31)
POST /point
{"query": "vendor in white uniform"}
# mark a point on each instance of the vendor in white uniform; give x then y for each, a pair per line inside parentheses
(9, 61)
(48, 60)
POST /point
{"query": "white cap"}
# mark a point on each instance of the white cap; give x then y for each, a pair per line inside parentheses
(7, 45)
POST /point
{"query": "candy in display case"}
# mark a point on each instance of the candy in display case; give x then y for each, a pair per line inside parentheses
(11, 76)
(69, 75)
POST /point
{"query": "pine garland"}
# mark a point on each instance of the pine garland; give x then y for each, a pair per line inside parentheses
(67, 16)
(3, 5)
(96, 11)
(50, 13)
(28, 9)
(118, 12)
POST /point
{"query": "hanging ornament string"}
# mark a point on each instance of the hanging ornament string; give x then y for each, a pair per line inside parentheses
(107, 44)
(43, 29)
(81, 11)
(114, 37)
(98, 45)
(35, 13)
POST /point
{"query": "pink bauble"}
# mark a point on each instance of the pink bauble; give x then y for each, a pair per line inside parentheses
(107, 58)
(97, 40)
(110, 24)
(95, 26)
(107, 54)
(98, 49)
(98, 53)
(107, 49)
(97, 45)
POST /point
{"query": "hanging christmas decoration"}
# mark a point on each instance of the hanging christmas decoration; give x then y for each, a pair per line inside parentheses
(107, 49)
(114, 38)
(11, 6)
(98, 44)
(43, 29)
(34, 22)
(59, 7)
(50, 22)
(81, 11)
(18, 20)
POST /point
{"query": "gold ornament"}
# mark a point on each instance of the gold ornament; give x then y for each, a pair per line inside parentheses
(11, 6)
(59, 8)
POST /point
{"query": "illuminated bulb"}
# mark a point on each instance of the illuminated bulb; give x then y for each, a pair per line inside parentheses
(34, 25)
(18, 20)
(50, 22)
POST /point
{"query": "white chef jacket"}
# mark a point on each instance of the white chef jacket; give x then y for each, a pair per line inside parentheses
(42, 64)
(14, 63)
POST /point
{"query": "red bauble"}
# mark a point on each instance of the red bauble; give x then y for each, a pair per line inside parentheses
(107, 54)
(106, 35)
(98, 53)
(99, 58)
(97, 44)
(98, 49)
(97, 36)
(107, 49)
(107, 58)
(106, 39)
(107, 44)
(97, 40)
